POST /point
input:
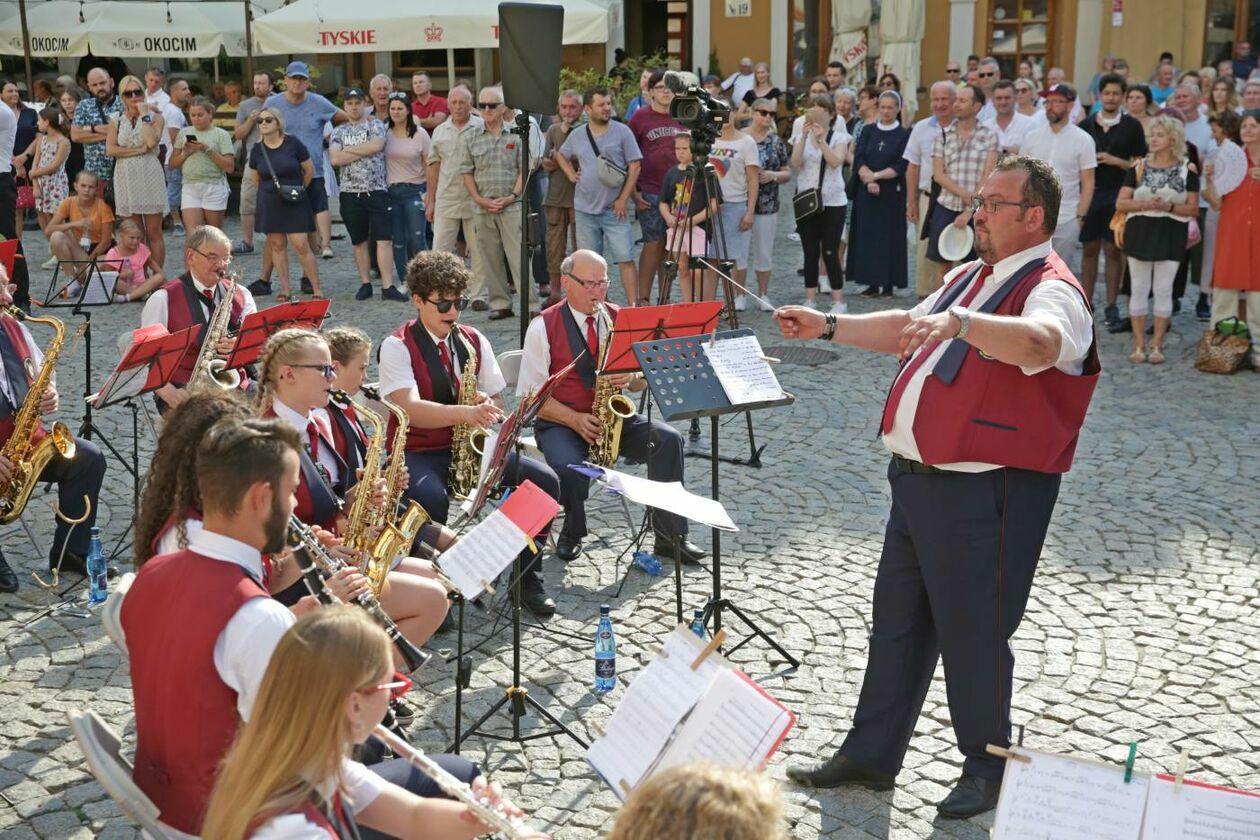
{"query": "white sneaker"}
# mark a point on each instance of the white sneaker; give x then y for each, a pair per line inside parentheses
(51, 262)
(824, 285)
(326, 253)
(810, 304)
(839, 308)
(740, 303)
(765, 305)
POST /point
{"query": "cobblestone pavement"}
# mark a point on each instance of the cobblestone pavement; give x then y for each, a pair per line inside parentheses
(1142, 623)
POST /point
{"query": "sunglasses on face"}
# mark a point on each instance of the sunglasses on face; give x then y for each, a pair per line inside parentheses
(765, 113)
(446, 304)
(952, 70)
(133, 94)
(266, 120)
(490, 105)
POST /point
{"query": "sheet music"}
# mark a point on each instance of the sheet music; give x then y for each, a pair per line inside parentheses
(482, 554)
(740, 366)
(654, 704)
(1053, 797)
(735, 724)
(1200, 812)
(670, 496)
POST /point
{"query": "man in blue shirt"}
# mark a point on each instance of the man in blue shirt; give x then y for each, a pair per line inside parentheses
(304, 114)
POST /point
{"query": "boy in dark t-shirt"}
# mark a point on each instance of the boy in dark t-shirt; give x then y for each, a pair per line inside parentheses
(686, 209)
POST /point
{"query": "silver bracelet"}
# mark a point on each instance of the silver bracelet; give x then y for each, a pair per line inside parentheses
(829, 331)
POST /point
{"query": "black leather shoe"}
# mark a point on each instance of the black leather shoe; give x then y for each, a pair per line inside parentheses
(568, 548)
(75, 564)
(689, 552)
(500, 314)
(837, 771)
(972, 795)
(8, 580)
(535, 599)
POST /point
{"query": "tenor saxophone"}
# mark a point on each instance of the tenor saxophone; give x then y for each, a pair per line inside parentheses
(467, 441)
(610, 406)
(210, 370)
(28, 452)
(358, 535)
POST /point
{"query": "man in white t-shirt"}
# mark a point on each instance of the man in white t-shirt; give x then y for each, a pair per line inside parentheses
(742, 82)
(988, 73)
(154, 81)
(173, 113)
(1070, 151)
(1011, 126)
(919, 174)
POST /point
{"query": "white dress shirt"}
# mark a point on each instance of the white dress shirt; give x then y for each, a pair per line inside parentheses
(37, 357)
(396, 372)
(244, 647)
(1012, 137)
(536, 358)
(919, 148)
(155, 308)
(1050, 302)
(8, 136)
(299, 421)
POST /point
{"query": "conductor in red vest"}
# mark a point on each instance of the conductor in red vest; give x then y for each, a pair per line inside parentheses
(190, 300)
(421, 366)
(567, 423)
(21, 361)
(982, 419)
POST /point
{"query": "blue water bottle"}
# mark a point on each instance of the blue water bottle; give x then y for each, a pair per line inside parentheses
(98, 583)
(605, 653)
(648, 563)
(697, 625)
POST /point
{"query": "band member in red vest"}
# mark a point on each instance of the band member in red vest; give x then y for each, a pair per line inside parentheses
(567, 423)
(982, 420)
(421, 364)
(201, 630)
(21, 361)
(190, 300)
(295, 372)
(266, 788)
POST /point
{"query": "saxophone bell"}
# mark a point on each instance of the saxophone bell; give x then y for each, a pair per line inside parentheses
(218, 372)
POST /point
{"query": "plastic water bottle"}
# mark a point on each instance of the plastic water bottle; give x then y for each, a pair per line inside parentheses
(98, 583)
(697, 625)
(648, 563)
(605, 653)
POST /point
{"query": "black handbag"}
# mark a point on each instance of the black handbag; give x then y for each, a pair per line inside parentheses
(809, 203)
(289, 193)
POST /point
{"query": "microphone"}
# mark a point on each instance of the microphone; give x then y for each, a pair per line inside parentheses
(675, 81)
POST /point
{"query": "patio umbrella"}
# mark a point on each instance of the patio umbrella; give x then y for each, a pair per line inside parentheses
(901, 28)
(849, 20)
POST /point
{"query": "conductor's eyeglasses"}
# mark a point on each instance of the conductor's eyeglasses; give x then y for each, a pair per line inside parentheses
(992, 205)
(445, 305)
(589, 284)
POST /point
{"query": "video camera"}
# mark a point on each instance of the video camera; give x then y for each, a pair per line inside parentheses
(695, 108)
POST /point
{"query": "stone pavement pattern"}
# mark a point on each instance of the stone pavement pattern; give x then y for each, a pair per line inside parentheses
(1142, 623)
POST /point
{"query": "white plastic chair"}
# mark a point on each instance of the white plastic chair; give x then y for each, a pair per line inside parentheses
(100, 746)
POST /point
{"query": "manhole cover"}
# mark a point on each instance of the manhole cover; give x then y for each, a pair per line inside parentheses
(800, 354)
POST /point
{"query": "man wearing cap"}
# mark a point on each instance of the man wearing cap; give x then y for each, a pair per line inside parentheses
(981, 421)
(742, 82)
(1056, 76)
(304, 113)
(358, 147)
(1070, 151)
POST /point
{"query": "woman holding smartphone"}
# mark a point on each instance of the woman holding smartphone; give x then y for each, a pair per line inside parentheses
(132, 141)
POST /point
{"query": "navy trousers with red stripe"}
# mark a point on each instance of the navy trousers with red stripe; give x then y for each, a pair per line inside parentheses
(960, 552)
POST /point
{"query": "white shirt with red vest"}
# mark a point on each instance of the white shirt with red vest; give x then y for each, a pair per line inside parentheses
(155, 308)
(243, 650)
(37, 360)
(1054, 302)
(536, 359)
(327, 459)
(396, 372)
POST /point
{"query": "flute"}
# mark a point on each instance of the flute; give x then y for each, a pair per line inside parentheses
(499, 822)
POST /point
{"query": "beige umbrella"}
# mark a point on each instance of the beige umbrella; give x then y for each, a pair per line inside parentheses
(849, 21)
(901, 27)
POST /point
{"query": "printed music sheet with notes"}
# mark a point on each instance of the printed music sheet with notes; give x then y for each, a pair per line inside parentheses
(1053, 797)
(741, 367)
(1200, 811)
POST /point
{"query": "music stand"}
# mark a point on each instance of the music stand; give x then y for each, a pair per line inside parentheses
(257, 327)
(148, 364)
(686, 387)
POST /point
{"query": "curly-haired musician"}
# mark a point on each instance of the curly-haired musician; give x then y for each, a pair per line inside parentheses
(77, 478)
(421, 364)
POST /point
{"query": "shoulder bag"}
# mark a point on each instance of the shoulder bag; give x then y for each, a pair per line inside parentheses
(289, 193)
(610, 174)
(1119, 218)
(809, 203)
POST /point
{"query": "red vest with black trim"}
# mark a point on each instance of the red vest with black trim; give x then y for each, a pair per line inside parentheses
(567, 340)
(184, 309)
(20, 369)
(318, 499)
(349, 439)
(339, 829)
(433, 381)
(186, 715)
(979, 409)
(192, 514)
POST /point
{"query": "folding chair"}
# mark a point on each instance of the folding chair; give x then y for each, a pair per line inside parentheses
(100, 746)
(111, 613)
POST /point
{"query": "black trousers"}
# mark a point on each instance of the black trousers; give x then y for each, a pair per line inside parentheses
(429, 471)
(8, 229)
(822, 232)
(76, 478)
(656, 442)
(960, 551)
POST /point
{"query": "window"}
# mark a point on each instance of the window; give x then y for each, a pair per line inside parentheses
(1020, 30)
(1228, 22)
(810, 46)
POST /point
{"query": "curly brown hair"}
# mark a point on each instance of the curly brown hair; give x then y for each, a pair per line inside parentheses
(171, 485)
(437, 271)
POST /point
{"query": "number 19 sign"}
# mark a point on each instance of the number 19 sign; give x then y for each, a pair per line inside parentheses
(739, 8)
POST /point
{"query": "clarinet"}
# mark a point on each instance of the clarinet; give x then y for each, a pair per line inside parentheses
(318, 558)
(498, 822)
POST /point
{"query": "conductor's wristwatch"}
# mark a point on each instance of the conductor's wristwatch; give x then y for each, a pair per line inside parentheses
(963, 314)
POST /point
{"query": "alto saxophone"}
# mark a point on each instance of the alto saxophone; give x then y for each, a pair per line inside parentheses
(210, 370)
(468, 441)
(27, 455)
(358, 534)
(610, 406)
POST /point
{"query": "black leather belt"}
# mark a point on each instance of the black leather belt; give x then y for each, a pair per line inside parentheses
(916, 467)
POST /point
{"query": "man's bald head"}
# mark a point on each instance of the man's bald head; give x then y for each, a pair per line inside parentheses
(100, 83)
(584, 274)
